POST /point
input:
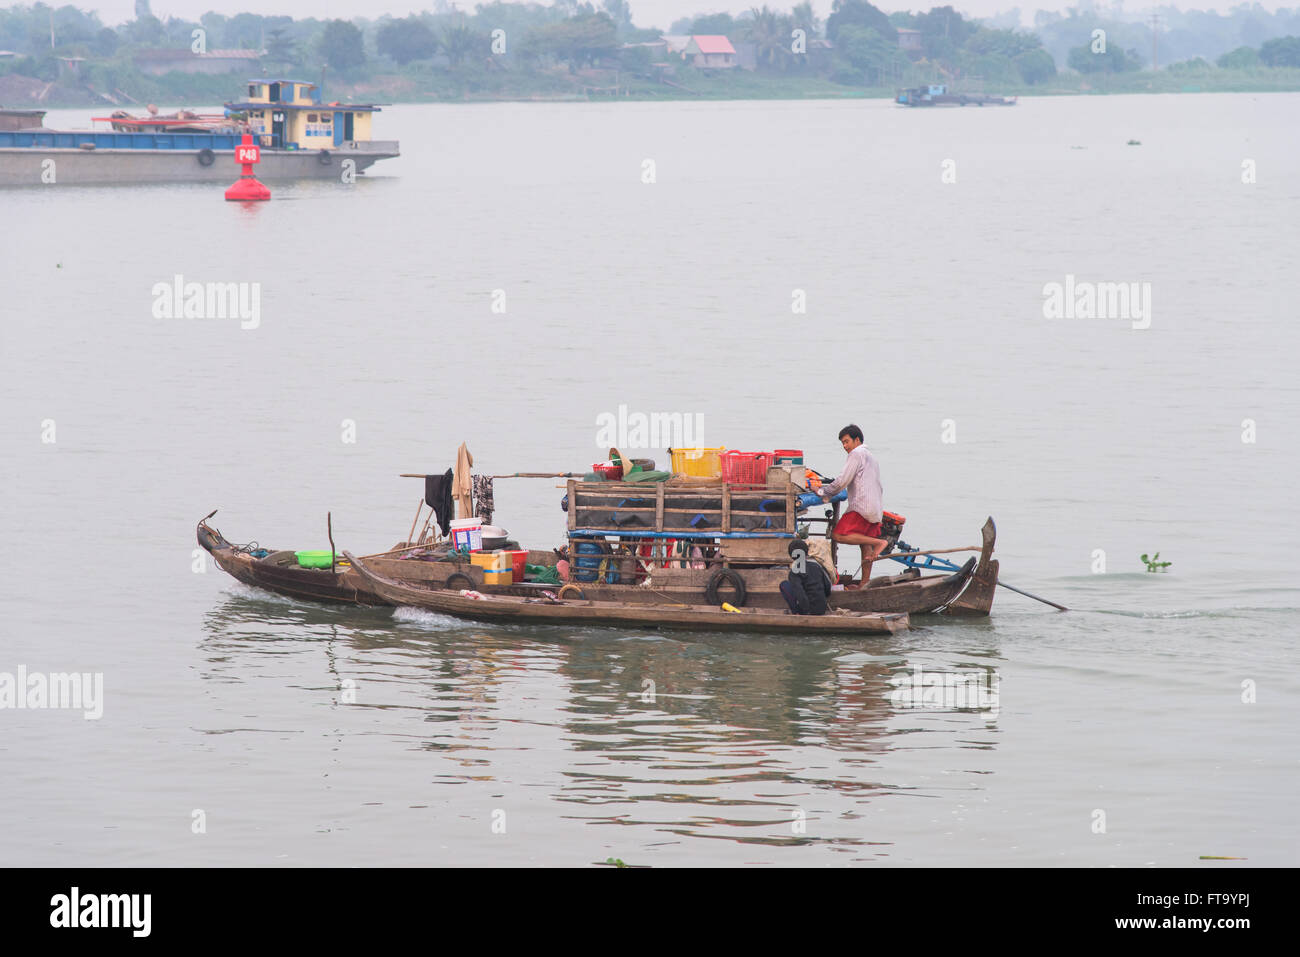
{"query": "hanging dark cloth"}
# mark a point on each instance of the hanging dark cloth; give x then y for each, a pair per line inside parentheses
(483, 498)
(437, 495)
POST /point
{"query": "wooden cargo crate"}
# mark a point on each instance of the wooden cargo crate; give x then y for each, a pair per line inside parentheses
(730, 508)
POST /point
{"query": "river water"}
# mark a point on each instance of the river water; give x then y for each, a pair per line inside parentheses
(1154, 723)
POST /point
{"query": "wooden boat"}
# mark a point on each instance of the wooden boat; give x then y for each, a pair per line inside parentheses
(967, 590)
(279, 572)
(744, 530)
(511, 608)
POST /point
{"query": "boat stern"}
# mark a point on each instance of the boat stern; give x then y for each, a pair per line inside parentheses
(977, 598)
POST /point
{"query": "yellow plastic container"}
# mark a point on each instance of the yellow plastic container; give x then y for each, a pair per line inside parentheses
(704, 463)
(504, 576)
(492, 561)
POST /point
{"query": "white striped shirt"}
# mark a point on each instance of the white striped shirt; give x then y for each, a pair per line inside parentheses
(861, 476)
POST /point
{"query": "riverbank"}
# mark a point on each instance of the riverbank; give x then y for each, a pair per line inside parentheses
(496, 86)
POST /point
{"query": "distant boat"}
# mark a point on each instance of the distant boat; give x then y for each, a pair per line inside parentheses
(300, 138)
(936, 94)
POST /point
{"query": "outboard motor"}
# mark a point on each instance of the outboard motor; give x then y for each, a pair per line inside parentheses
(891, 527)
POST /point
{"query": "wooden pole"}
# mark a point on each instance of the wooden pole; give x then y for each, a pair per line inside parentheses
(835, 550)
(932, 551)
(409, 547)
(329, 530)
(513, 475)
(418, 509)
(424, 531)
(1034, 597)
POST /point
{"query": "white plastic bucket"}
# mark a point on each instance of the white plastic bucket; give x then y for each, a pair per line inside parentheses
(467, 533)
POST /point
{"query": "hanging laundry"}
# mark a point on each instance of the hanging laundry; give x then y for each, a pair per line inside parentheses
(483, 504)
(437, 495)
(461, 487)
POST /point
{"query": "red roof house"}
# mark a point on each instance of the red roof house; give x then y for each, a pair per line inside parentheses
(711, 52)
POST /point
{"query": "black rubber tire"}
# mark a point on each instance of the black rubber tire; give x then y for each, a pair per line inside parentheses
(454, 580)
(324, 158)
(569, 589)
(206, 157)
(737, 585)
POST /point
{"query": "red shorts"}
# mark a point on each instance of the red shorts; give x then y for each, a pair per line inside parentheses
(852, 523)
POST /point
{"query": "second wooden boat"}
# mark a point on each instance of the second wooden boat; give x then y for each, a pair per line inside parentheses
(510, 608)
(278, 571)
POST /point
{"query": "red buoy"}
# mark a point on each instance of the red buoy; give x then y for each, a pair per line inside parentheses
(247, 188)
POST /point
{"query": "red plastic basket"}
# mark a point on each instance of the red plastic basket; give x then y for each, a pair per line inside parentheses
(746, 468)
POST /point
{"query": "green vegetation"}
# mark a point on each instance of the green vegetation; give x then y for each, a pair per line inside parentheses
(1283, 51)
(1242, 58)
(341, 45)
(1154, 564)
(573, 49)
(1112, 60)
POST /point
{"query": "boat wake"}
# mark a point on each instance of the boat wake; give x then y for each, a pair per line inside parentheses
(1195, 613)
(426, 619)
(238, 589)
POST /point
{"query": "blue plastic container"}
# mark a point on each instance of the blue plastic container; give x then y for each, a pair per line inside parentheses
(587, 557)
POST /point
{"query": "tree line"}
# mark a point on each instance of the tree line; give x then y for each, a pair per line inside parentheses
(858, 44)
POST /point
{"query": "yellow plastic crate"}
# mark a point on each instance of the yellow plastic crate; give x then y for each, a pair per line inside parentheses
(705, 463)
(491, 561)
(503, 577)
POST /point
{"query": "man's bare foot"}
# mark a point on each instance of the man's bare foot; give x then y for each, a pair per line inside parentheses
(853, 586)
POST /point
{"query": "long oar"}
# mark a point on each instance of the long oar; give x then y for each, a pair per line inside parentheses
(1034, 597)
(942, 551)
(542, 475)
(514, 475)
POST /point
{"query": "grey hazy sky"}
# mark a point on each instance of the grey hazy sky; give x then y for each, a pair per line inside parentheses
(657, 13)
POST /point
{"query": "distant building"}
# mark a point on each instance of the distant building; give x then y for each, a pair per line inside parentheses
(158, 62)
(676, 44)
(70, 66)
(711, 53)
(656, 47)
(909, 39)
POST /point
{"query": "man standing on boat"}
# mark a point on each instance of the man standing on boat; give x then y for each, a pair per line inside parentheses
(860, 523)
